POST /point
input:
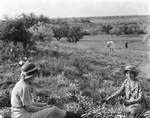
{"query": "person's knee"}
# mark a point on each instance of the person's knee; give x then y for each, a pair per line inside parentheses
(57, 112)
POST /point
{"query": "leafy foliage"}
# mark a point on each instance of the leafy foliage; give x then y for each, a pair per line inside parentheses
(10, 50)
(60, 31)
(72, 79)
(41, 32)
(14, 30)
(74, 34)
(106, 28)
(6, 113)
(5, 99)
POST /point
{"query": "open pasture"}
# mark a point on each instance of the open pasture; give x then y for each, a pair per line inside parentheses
(99, 42)
(137, 52)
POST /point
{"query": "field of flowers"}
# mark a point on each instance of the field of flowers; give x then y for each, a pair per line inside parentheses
(76, 77)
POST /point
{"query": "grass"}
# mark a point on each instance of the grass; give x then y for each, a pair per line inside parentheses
(91, 56)
(93, 53)
(88, 63)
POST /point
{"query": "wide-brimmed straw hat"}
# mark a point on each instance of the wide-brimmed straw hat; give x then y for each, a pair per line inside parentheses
(28, 70)
(131, 68)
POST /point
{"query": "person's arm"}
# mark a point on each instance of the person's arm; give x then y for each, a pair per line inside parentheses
(39, 104)
(27, 102)
(32, 108)
(117, 93)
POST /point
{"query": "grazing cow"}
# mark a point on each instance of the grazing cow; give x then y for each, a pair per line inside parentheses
(110, 45)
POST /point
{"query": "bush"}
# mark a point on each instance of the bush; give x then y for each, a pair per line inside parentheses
(52, 67)
(60, 30)
(15, 30)
(6, 113)
(11, 51)
(5, 99)
(41, 32)
(74, 34)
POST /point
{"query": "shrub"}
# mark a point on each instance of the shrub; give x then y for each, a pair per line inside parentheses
(74, 34)
(41, 32)
(10, 51)
(5, 99)
(6, 113)
(52, 67)
(14, 30)
(60, 30)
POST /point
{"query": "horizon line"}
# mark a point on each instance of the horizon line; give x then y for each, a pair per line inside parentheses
(75, 16)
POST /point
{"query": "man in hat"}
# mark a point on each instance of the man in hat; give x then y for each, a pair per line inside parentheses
(132, 90)
(22, 103)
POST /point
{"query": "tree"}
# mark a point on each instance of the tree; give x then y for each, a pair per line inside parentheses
(41, 32)
(14, 30)
(106, 28)
(132, 29)
(74, 34)
(115, 31)
(60, 31)
(31, 19)
(28, 20)
(124, 28)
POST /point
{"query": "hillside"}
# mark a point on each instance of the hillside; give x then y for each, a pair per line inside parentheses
(112, 19)
(93, 25)
(77, 76)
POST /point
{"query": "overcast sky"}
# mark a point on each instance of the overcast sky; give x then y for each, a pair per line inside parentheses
(75, 8)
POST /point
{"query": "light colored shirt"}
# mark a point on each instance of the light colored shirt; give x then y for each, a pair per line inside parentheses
(19, 98)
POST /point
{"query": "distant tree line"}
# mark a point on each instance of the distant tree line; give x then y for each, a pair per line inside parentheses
(132, 28)
(29, 28)
(19, 35)
(123, 29)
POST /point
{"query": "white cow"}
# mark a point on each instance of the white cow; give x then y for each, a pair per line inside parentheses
(110, 45)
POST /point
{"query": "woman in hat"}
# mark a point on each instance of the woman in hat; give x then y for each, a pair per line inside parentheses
(22, 103)
(132, 90)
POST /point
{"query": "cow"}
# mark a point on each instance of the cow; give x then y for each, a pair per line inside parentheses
(110, 45)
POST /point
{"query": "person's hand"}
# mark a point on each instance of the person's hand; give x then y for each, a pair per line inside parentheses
(104, 101)
(44, 104)
(48, 106)
(51, 101)
(126, 103)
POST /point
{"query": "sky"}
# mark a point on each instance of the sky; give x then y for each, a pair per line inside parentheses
(74, 8)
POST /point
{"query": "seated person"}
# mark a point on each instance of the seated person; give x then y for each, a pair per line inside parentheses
(134, 101)
(22, 103)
